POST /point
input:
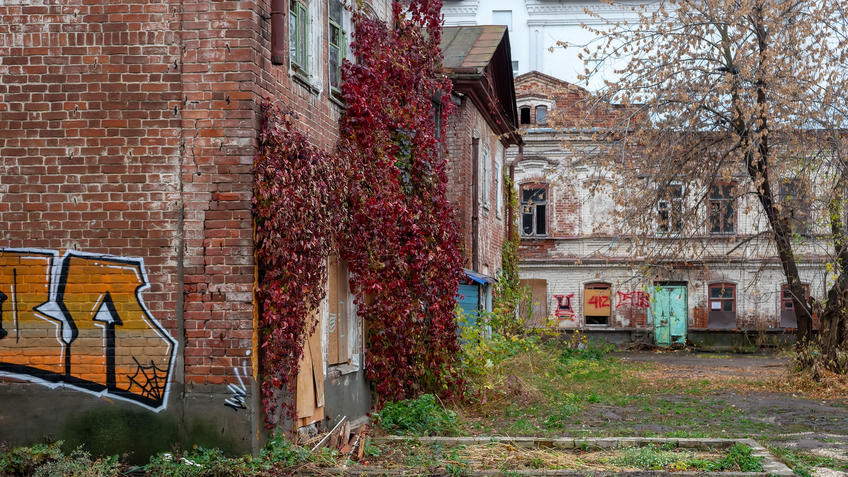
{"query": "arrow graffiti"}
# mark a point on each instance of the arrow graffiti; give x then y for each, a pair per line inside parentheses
(79, 321)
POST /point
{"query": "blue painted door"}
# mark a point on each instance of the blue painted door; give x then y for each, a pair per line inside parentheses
(468, 299)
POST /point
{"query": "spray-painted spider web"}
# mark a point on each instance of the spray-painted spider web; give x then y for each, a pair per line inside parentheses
(150, 380)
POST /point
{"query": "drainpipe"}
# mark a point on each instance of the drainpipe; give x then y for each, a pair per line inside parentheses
(475, 201)
(278, 47)
(510, 227)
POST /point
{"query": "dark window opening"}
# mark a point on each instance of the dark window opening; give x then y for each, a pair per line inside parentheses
(533, 210)
(670, 210)
(525, 115)
(722, 209)
(794, 201)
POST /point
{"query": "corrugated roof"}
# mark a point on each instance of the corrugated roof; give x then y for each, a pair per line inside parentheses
(468, 48)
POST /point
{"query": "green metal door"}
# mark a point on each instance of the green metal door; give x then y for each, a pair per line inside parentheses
(669, 314)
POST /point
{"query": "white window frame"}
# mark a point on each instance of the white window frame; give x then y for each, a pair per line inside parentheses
(668, 204)
(499, 185)
(485, 187)
(311, 72)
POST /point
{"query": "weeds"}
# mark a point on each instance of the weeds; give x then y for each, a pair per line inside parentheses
(21, 461)
(80, 464)
(422, 416)
(804, 464)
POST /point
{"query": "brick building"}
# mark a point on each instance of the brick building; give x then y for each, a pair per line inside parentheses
(582, 270)
(478, 61)
(127, 136)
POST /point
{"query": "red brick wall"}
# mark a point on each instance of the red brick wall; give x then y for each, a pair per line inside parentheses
(129, 129)
(459, 139)
(90, 151)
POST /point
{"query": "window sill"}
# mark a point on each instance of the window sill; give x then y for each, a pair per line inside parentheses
(336, 98)
(299, 77)
(337, 370)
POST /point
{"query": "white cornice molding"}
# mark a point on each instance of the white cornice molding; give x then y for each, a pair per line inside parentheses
(538, 7)
(461, 9)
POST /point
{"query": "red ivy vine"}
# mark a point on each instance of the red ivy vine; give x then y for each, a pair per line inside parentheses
(401, 241)
(386, 187)
(296, 209)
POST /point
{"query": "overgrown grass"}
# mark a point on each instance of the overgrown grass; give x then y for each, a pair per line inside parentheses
(668, 457)
(422, 416)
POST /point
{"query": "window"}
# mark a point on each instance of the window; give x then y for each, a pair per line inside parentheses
(788, 319)
(722, 209)
(533, 204)
(514, 67)
(795, 205)
(298, 36)
(670, 210)
(502, 17)
(498, 188)
(485, 182)
(596, 303)
(722, 302)
(336, 44)
(525, 115)
(541, 115)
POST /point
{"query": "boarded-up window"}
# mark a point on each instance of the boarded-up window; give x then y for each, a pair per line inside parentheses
(339, 323)
(309, 391)
(535, 310)
(596, 303)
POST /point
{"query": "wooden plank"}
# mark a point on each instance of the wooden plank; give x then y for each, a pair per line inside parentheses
(334, 431)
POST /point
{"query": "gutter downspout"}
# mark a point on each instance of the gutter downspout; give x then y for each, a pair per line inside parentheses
(278, 46)
(510, 227)
(475, 201)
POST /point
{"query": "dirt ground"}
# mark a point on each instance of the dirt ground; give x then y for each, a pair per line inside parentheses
(813, 431)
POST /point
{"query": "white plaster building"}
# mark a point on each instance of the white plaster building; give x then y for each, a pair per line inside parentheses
(537, 26)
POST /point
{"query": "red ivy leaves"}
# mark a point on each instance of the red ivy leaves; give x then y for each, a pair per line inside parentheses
(401, 241)
(296, 209)
(382, 197)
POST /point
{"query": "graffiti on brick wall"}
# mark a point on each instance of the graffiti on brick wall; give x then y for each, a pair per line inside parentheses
(636, 299)
(78, 320)
(237, 400)
(563, 310)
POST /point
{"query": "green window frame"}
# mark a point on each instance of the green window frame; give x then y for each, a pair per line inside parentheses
(299, 36)
(337, 46)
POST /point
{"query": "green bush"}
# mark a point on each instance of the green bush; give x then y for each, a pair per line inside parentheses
(24, 460)
(420, 417)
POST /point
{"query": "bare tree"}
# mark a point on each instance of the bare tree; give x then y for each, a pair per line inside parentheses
(741, 100)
